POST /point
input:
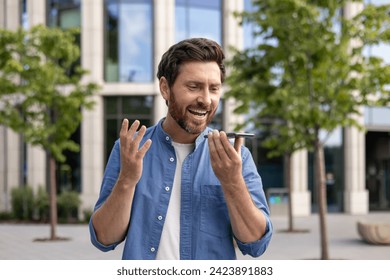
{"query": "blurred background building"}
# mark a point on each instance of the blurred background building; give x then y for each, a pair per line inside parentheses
(121, 44)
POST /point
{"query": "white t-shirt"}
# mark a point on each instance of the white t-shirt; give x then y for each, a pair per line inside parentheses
(169, 248)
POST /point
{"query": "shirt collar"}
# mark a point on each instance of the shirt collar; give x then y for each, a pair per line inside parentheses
(167, 138)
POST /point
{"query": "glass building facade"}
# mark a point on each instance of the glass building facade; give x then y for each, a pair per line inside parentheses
(122, 42)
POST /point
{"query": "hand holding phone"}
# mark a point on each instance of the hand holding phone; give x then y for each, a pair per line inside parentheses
(237, 135)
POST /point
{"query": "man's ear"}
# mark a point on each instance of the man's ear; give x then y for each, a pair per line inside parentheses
(164, 88)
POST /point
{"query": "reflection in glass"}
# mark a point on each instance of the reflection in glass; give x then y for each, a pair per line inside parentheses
(198, 19)
(249, 28)
(128, 40)
(24, 15)
(63, 13)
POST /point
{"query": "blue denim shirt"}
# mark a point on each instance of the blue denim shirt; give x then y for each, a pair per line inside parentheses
(205, 229)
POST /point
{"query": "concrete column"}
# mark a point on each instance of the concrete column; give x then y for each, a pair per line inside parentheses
(3, 14)
(36, 10)
(355, 194)
(92, 132)
(36, 158)
(10, 18)
(232, 36)
(4, 186)
(9, 167)
(10, 14)
(164, 37)
(351, 9)
(36, 167)
(300, 196)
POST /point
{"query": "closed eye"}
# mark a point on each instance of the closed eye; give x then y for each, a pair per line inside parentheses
(215, 89)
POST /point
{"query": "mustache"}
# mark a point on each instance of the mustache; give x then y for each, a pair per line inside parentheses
(202, 106)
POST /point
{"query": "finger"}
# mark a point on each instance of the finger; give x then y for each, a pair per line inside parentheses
(238, 142)
(219, 146)
(228, 149)
(145, 147)
(124, 127)
(213, 152)
(138, 138)
(140, 134)
(133, 128)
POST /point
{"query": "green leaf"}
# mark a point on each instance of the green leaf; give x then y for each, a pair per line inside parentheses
(41, 88)
(303, 76)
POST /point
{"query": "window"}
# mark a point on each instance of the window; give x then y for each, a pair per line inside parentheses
(116, 108)
(128, 41)
(24, 15)
(63, 13)
(377, 116)
(66, 14)
(198, 18)
(249, 28)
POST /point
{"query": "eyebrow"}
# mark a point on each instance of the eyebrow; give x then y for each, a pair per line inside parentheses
(202, 83)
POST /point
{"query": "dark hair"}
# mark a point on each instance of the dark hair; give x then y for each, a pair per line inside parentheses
(194, 49)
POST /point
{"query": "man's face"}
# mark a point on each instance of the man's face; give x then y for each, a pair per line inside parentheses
(194, 97)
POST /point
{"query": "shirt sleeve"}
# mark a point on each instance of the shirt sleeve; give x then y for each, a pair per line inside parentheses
(257, 248)
(109, 179)
(96, 242)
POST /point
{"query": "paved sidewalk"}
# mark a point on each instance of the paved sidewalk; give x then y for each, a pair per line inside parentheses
(17, 241)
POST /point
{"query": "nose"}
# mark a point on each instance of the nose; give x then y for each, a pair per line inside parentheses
(204, 97)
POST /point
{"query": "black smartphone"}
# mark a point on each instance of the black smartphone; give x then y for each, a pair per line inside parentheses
(237, 134)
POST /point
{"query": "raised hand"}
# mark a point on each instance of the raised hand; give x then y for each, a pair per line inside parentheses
(131, 154)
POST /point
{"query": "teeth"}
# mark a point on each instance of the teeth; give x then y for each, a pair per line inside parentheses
(198, 112)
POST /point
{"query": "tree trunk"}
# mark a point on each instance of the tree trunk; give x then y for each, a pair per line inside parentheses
(319, 163)
(53, 197)
(287, 183)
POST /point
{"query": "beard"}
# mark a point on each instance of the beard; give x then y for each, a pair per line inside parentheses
(190, 125)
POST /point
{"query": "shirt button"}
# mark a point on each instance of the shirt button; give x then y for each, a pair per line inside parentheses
(171, 159)
(152, 249)
(167, 138)
(167, 189)
(159, 218)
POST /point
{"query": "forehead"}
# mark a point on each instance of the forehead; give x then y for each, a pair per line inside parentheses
(197, 70)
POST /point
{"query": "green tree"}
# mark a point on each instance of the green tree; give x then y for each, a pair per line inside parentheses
(42, 94)
(308, 74)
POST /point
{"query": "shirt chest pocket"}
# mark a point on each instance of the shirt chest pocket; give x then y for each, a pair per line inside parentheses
(214, 216)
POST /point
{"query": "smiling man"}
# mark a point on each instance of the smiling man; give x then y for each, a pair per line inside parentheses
(171, 193)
